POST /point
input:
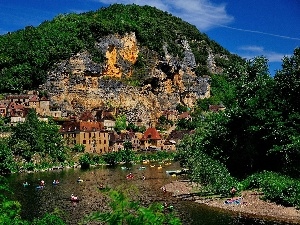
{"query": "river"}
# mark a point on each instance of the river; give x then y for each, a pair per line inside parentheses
(35, 202)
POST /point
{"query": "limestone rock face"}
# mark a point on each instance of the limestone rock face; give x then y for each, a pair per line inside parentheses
(80, 84)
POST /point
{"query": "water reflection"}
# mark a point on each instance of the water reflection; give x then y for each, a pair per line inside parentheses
(36, 202)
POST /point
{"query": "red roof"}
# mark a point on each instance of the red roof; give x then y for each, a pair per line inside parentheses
(184, 115)
(86, 116)
(44, 99)
(151, 134)
(34, 98)
(81, 126)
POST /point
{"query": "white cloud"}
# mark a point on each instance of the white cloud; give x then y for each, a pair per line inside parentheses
(252, 48)
(252, 51)
(202, 13)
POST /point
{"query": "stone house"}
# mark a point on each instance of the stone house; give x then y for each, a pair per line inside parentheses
(185, 115)
(3, 110)
(90, 134)
(151, 140)
(216, 108)
(171, 115)
(116, 141)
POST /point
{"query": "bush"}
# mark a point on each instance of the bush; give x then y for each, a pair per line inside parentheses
(85, 161)
(277, 188)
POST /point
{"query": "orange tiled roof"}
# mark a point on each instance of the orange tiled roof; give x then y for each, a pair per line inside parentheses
(184, 115)
(34, 98)
(152, 134)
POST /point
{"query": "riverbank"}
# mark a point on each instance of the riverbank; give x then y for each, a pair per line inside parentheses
(248, 202)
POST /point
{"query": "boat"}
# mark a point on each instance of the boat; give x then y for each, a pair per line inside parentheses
(145, 161)
(177, 172)
(142, 168)
(25, 184)
(124, 168)
(129, 176)
(40, 187)
(172, 172)
(159, 167)
(74, 198)
(152, 165)
(55, 182)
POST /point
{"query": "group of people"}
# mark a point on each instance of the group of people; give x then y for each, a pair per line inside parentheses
(55, 182)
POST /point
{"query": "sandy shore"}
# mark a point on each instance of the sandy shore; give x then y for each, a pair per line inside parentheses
(249, 203)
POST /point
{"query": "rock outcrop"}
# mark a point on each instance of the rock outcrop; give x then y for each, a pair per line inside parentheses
(80, 84)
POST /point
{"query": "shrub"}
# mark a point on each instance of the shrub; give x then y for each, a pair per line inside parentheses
(276, 187)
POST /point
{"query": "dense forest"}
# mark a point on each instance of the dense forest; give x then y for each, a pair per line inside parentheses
(253, 143)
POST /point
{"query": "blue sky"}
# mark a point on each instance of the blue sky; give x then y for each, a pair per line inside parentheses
(248, 28)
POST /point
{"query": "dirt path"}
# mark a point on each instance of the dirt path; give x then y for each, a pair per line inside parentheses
(248, 202)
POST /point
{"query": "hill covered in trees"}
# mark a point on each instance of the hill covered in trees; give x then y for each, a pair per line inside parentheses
(28, 54)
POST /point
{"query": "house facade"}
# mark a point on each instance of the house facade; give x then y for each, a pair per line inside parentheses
(151, 139)
(90, 134)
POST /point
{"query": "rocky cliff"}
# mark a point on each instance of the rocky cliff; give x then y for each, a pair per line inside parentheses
(79, 83)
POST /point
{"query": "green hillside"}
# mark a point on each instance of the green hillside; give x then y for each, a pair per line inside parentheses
(26, 55)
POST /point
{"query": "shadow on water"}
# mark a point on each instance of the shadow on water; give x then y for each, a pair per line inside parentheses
(36, 202)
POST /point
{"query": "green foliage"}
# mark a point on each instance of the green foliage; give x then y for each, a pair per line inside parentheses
(111, 158)
(7, 163)
(181, 108)
(276, 187)
(78, 148)
(214, 175)
(37, 49)
(34, 136)
(125, 211)
(85, 160)
(120, 123)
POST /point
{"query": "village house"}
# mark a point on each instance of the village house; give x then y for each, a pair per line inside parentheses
(216, 108)
(185, 115)
(171, 115)
(115, 142)
(151, 140)
(90, 134)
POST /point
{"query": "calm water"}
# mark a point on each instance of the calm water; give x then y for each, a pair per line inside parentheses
(35, 202)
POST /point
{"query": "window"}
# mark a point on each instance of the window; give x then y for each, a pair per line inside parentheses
(90, 135)
(83, 135)
(84, 142)
(104, 141)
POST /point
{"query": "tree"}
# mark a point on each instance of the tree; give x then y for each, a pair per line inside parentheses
(7, 163)
(120, 123)
(125, 211)
(34, 136)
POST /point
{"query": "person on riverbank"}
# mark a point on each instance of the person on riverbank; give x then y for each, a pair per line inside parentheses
(233, 192)
(42, 183)
(163, 188)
